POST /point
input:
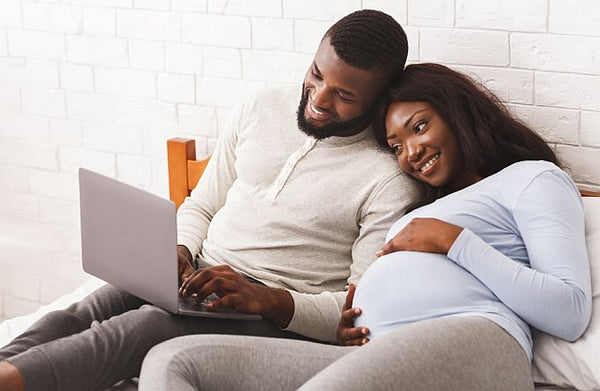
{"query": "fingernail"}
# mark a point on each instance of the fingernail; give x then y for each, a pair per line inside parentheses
(364, 331)
(379, 253)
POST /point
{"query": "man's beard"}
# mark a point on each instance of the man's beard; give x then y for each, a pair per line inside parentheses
(333, 128)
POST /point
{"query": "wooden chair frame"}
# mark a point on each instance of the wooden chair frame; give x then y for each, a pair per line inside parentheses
(184, 170)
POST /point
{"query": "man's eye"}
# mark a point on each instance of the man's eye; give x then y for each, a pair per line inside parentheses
(345, 99)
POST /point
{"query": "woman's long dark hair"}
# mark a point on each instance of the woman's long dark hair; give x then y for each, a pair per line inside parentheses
(489, 136)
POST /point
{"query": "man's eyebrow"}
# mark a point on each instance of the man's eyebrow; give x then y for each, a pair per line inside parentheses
(317, 70)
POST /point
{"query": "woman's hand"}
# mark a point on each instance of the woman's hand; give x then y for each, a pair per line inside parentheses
(427, 235)
(347, 334)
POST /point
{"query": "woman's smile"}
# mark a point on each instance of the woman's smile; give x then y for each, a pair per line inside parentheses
(427, 168)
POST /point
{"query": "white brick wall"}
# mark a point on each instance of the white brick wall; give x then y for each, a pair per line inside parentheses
(55, 18)
(3, 43)
(103, 84)
(34, 44)
(473, 47)
(580, 17)
(95, 50)
(511, 15)
(439, 13)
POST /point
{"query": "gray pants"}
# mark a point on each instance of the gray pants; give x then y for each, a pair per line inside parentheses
(449, 354)
(103, 339)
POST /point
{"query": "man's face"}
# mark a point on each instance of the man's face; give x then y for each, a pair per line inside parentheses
(337, 98)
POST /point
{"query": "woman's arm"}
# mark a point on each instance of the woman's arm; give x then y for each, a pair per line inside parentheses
(554, 293)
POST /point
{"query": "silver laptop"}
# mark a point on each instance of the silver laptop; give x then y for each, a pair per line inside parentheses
(129, 239)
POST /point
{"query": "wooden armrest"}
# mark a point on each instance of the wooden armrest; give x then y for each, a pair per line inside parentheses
(184, 170)
(586, 193)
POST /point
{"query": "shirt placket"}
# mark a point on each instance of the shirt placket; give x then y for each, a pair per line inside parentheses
(288, 168)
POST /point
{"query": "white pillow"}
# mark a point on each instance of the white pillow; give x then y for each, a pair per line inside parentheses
(575, 364)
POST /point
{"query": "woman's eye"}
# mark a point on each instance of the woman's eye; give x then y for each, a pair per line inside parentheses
(315, 75)
(419, 126)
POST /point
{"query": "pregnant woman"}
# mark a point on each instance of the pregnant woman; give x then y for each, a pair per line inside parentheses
(497, 247)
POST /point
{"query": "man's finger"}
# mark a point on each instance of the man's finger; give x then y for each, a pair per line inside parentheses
(183, 289)
(199, 278)
(349, 297)
(219, 285)
(225, 301)
(348, 316)
(357, 342)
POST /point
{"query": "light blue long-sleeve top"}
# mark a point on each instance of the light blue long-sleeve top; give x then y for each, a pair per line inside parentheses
(520, 260)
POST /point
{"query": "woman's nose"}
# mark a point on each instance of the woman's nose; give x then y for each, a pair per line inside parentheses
(413, 151)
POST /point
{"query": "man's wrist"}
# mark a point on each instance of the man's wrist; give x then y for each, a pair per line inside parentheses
(279, 308)
(183, 250)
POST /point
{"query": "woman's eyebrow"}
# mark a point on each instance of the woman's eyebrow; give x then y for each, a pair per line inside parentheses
(412, 116)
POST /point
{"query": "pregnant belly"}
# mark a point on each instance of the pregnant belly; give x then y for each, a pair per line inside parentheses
(405, 287)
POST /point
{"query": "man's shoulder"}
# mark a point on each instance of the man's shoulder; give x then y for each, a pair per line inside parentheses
(274, 96)
(378, 167)
(375, 157)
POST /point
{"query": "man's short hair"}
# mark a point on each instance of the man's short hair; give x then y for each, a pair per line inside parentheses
(370, 40)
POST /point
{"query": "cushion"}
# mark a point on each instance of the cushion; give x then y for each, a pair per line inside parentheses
(575, 364)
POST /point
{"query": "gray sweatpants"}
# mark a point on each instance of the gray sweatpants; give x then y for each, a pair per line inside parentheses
(449, 354)
(103, 339)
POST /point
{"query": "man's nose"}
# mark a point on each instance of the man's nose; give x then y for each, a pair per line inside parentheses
(321, 97)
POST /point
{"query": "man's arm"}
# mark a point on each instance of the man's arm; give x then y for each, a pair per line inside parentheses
(317, 315)
(313, 315)
(196, 212)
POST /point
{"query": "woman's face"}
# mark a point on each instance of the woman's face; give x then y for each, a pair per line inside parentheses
(425, 146)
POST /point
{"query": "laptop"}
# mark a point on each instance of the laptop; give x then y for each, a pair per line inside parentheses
(129, 239)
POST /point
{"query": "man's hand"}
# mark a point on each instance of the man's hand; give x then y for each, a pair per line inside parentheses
(427, 235)
(347, 334)
(184, 263)
(235, 291)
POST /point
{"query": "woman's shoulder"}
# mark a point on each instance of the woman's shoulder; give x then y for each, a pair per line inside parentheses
(525, 177)
(537, 181)
(521, 174)
(530, 168)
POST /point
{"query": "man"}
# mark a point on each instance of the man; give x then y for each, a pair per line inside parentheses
(294, 204)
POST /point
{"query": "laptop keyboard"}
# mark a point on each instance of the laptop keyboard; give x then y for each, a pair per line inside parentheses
(190, 303)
